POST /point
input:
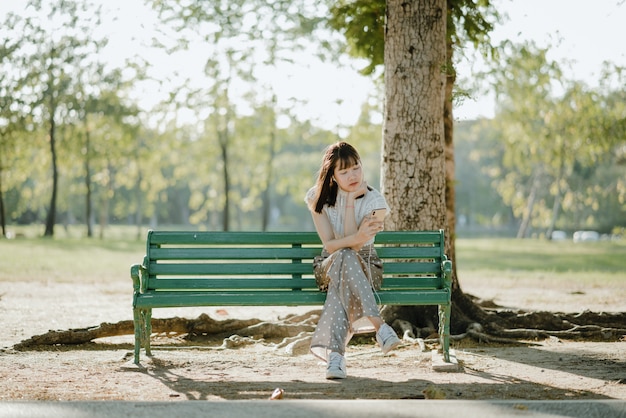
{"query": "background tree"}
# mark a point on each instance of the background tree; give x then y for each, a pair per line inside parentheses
(554, 132)
(239, 39)
(12, 119)
(418, 137)
(363, 25)
(57, 43)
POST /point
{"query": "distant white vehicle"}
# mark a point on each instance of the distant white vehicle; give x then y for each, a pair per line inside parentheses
(558, 236)
(586, 236)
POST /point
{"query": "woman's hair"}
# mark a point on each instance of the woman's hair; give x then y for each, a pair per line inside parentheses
(339, 155)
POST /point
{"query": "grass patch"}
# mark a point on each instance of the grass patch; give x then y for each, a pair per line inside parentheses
(532, 261)
(70, 260)
(539, 255)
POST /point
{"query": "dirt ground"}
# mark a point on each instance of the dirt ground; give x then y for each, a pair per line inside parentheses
(549, 369)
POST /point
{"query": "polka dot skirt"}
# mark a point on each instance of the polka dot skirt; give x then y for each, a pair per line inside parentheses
(350, 300)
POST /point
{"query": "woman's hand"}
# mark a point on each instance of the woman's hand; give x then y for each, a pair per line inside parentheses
(369, 228)
(359, 193)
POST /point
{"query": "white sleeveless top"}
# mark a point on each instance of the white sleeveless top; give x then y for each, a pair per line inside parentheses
(372, 200)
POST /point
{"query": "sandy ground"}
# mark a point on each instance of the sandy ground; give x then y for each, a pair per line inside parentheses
(550, 369)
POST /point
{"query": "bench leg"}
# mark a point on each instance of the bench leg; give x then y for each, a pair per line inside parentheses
(147, 317)
(137, 327)
(444, 360)
(142, 320)
(444, 331)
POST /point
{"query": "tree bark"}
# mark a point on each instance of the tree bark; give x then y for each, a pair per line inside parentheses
(418, 148)
(448, 129)
(413, 132)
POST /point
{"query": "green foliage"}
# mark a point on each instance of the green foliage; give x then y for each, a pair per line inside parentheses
(157, 168)
(362, 22)
(56, 84)
(478, 155)
(555, 143)
(472, 21)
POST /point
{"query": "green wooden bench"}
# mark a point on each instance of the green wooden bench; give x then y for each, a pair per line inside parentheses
(185, 269)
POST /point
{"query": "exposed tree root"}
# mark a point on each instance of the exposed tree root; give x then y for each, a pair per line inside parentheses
(190, 329)
(540, 325)
(493, 325)
(417, 325)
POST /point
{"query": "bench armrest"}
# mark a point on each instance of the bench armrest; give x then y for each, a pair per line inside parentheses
(135, 276)
(138, 274)
(446, 268)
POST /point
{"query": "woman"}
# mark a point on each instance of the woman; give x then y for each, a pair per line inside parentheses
(341, 205)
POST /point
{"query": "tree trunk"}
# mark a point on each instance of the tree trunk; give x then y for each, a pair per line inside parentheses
(138, 191)
(413, 132)
(223, 141)
(51, 218)
(556, 209)
(107, 196)
(88, 198)
(418, 153)
(522, 232)
(266, 210)
(3, 222)
(448, 124)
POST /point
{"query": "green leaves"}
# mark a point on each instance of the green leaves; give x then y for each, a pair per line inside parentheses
(557, 133)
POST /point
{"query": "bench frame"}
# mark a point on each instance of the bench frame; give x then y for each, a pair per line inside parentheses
(186, 269)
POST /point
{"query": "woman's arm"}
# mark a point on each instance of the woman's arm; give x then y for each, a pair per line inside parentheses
(354, 239)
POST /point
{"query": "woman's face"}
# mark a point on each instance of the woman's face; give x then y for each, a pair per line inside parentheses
(349, 179)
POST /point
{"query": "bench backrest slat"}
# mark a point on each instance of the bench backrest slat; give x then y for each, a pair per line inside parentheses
(287, 238)
(230, 238)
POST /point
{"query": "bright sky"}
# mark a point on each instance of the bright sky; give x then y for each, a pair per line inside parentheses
(587, 33)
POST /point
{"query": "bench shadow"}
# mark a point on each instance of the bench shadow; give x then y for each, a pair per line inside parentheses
(183, 380)
(217, 385)
(584, 363)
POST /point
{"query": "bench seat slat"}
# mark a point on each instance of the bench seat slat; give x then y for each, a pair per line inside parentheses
(279, 298)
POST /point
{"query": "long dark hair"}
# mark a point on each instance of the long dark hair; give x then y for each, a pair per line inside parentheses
(342, 155)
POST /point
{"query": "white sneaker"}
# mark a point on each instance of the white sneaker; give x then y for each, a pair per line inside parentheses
(336, 368)
(387, 338)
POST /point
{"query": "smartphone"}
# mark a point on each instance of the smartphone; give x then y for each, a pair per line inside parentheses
(379, 214)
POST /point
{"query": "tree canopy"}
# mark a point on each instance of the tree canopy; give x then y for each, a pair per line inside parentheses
(118, 161)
